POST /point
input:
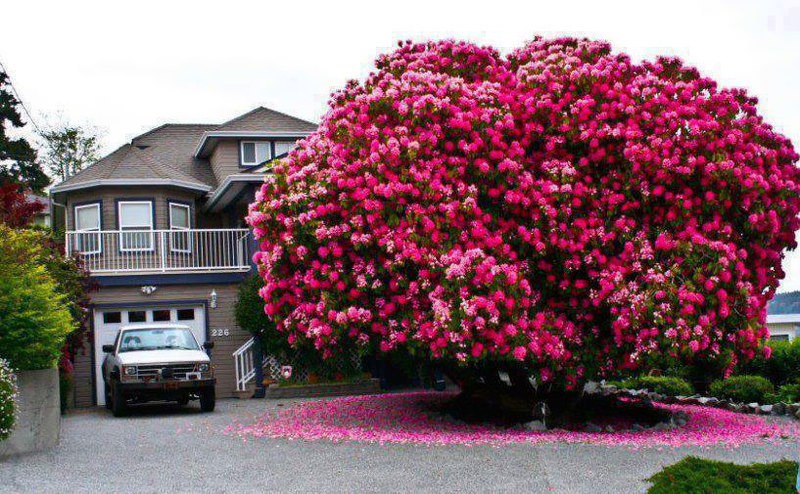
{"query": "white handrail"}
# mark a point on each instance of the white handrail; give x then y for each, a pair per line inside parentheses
(240, 230)
(243, 364)
(161, 251)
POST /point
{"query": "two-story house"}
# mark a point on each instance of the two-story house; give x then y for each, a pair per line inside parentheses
(160, 225)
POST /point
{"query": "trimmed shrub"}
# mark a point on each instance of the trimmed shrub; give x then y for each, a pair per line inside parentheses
(8, 399)
(745, 389)
(788, 393)
(672, 386)
(34, 316)
(698, 475)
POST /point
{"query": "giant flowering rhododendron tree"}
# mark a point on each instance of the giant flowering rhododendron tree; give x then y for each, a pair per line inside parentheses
(561, 213)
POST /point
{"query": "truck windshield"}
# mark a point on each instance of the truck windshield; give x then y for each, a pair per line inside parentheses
(134, 340)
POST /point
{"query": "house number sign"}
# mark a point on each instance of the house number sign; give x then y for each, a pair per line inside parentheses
(220, 332)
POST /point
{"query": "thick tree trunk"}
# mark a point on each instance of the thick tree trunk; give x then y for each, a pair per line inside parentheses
(505, 395)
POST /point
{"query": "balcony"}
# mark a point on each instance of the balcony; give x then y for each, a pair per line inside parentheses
(124, 252)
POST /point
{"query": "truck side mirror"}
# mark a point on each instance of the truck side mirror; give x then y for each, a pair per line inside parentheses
(208, 345)
(108, 348)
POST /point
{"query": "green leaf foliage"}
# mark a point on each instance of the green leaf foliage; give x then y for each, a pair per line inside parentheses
(18, 160)
(672, 386)
(782, 367)
(745, 389)
(34, 315)
(250, 316)
(698, 476)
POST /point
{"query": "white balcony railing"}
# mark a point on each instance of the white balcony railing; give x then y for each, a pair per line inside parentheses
(159, 251)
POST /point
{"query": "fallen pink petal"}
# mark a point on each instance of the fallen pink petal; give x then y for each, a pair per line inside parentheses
(410, 418)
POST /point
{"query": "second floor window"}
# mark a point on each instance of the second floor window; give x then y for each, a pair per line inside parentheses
(180, 223)
(255, 152)
(87, 226)
(136, 225)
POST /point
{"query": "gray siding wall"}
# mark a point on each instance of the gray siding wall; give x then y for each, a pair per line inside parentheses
(161, 196)
(221, 317)
(225, 159)
(110, 195)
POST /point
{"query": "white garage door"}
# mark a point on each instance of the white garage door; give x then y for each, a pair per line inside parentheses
(108, 321)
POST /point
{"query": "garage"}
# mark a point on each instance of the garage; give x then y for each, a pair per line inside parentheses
(108, 320)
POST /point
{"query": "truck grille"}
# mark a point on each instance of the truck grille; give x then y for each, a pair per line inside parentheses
(165, 371)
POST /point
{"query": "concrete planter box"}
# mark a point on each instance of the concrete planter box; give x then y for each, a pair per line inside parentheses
(38, 413)
(365, 387)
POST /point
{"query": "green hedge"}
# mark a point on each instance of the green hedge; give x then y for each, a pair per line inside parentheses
(745, 389)
(788, 393)
(781, 368)
(8, 397)
(672, 386)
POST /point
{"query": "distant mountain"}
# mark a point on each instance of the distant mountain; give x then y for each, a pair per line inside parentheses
(785, 303)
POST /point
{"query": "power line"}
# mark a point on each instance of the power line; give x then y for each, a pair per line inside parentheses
(19, 100)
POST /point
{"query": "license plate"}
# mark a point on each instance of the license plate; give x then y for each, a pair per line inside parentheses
(192, 376)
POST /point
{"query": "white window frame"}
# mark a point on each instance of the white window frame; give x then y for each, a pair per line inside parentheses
(172, 226)
(96, 206)
(136, 228)
(255, 153)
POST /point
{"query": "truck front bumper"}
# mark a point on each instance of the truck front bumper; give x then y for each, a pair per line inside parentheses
(167, 385)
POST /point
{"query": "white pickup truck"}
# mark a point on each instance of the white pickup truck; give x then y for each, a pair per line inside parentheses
(157, 362)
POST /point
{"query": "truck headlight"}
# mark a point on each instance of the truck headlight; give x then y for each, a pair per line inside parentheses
(204, 367)
(129, 370)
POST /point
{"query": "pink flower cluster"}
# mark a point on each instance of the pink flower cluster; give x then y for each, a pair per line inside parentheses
(561, 206)
(408, 418)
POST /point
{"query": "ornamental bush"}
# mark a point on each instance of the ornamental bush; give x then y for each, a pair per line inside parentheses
(562, 212)
(744, 389)
(34, 316)
(670, 386)
(8, 399)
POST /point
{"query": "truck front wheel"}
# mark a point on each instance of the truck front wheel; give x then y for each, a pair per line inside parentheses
(207, 400)
(118, 405)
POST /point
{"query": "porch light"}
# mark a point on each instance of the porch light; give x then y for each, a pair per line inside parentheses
(213, 299)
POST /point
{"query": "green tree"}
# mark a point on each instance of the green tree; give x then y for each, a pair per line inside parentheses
(69, 149)
(34, 316)
(250, 316)
(18, 161)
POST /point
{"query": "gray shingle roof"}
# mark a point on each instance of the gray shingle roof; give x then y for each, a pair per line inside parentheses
(131, 163)
(265, 120)
(173, 145)
(167, 152)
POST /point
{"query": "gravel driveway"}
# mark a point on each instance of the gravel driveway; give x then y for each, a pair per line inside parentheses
(166, 449)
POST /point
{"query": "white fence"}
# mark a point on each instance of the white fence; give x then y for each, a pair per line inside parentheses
(126, 251)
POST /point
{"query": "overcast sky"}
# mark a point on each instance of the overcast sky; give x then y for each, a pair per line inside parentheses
(125, 67)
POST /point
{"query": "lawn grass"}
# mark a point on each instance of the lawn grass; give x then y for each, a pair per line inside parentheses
(698, 476)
